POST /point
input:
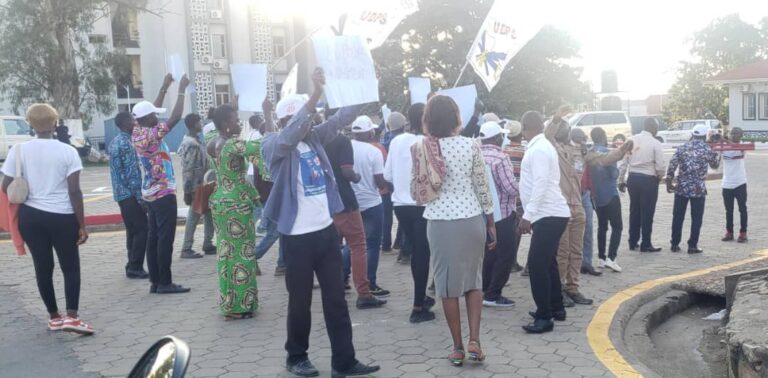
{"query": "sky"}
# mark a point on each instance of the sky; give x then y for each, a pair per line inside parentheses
(643, 41)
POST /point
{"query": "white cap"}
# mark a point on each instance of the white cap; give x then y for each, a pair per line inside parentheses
(290, 105)
(362, 124)
(145, 108)
(491, 129)
(513, 127)
(700, 130)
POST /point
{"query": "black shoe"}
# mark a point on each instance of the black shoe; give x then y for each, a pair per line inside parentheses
(675, 248)
(346, 286)
(525, 272)
(152, 288)
(429, 302)
(693, 251)
(567, 301)
(303, 368)
(557, 315)
(379, 292)
(141, 274)
(431, 287)
(369, 302)
(421, 316)
(633, 247)
(650, 249)
(516, 268)
(579, 298)
(190, 254)
(540, 326)
(210, 250)
(356, 370)
(172, 289)
(591, 271)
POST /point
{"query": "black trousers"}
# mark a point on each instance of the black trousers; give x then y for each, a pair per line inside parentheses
(678, 217)
(386, 235)
(162, 233)
(643, 194)
(609, 214)
(414, 226)
(740, 195)
(542, 265)
(308, 255)
(497, 263)
(136, 232)
(43, 232)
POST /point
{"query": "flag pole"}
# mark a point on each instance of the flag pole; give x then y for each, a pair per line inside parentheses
(461, 73)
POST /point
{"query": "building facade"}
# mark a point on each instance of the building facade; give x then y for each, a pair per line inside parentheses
(747, 98)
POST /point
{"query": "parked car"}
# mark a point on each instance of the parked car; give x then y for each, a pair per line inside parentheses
(13, 129)
(681, 131)
(615, 123)
(638, 123)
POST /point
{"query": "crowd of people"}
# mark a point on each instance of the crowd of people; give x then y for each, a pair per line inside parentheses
(325, 185)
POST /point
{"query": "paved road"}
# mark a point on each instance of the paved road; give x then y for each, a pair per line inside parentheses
(129, 319)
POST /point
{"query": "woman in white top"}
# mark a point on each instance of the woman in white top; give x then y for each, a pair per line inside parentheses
(52, 216)
(458, 222)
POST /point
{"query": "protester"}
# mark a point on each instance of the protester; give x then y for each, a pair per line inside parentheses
(735, 187)
(303, 200)
(52, 217)
(450, 179)
(410, 219)
(194, 162)
(159, 185)
(396, 124)
(126, 190)
(472, 129)
(62, 133)
(641, 173)
(349, 222)
(257, 129)
(607, 203)
(515, 150)
(690, 161)
(209, 126)
(497, 264)
(579, 139)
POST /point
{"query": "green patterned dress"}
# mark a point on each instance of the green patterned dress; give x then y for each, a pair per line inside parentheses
(232, 209)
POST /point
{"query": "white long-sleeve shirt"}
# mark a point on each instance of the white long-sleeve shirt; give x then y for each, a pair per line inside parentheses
(398, 167)
(540, 182)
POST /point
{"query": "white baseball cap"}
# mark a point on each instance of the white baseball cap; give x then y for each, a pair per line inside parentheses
(700, 130)
(145, 108)
(491, 129)
(362, 124)
(290, 105)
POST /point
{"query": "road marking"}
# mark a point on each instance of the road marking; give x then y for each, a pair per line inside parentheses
(597, 331)
(101, 189)
(98, 198)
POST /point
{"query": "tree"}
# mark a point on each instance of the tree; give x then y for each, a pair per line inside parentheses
(434, 42)
(47, 55)
(725, 44)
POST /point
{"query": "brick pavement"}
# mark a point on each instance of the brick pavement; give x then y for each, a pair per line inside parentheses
(129, 320)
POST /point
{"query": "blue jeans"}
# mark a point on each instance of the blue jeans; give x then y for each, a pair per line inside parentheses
(373, 222)
(587, 251)
(269, 240)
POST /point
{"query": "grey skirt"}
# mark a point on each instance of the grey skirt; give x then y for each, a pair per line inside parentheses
(457, 248)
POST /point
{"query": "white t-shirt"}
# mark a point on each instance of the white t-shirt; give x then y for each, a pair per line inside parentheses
(313, 213)
(46, 164)
(368, 162)
(398, 167)
(208, 128)
(253, 135)
(734, 171)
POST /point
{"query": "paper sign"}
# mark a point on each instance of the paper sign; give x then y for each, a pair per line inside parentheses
(375, 21)
(250, 82)
(385, 112)
(177, 69)
(291, 82)
(419, 88)
(465, 98)
(350, 78)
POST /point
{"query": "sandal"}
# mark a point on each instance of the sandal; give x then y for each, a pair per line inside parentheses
(456, 357)
(240, 316)
(475, 353)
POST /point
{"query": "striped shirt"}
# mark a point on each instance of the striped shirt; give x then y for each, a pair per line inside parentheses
(515, 151)
(506, 183)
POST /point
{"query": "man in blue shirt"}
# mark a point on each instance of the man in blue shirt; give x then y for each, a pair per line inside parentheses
(126, 190)
(605, 196)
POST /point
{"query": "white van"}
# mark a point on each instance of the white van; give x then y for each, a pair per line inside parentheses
(615, 123)
(682, 131)
(13, 129)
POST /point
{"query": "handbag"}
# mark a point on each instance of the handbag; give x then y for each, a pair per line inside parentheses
(18, 190)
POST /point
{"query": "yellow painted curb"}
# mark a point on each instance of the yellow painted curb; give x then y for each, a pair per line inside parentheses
(597, 331)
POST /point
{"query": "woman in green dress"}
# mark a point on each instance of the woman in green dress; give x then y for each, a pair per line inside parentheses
(232, 209)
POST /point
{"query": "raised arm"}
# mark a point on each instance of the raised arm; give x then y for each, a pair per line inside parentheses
(167, 80)
(596, 158)
(178, 109)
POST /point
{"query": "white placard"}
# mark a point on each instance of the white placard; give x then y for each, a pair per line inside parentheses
(419, 87)
(291, 82)
(350, 78)
(385, 113)
(250, 82)
(177, 69)
(465, 98)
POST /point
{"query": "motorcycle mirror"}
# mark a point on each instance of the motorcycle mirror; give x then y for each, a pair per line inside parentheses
(167, 358)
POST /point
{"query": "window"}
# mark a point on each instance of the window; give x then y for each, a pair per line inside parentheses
(215, 4)
(748, 106)
(587, 120)
(278, 46)
(219, 46)
(97, 38)
(609, 118)
(222, 94)
(763, 106)
(16, 127)
(687, 125)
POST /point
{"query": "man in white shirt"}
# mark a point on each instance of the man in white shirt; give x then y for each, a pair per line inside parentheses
(645, 166)
(735, 187)
(369, 164)
(545, 215)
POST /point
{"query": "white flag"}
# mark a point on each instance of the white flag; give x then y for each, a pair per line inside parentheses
(375, 21)
(503, 33)
(291, 82)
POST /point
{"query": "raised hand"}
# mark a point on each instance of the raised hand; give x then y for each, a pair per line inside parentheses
(167, 80)
(183, 83)
(267, 106)
(318, 78)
